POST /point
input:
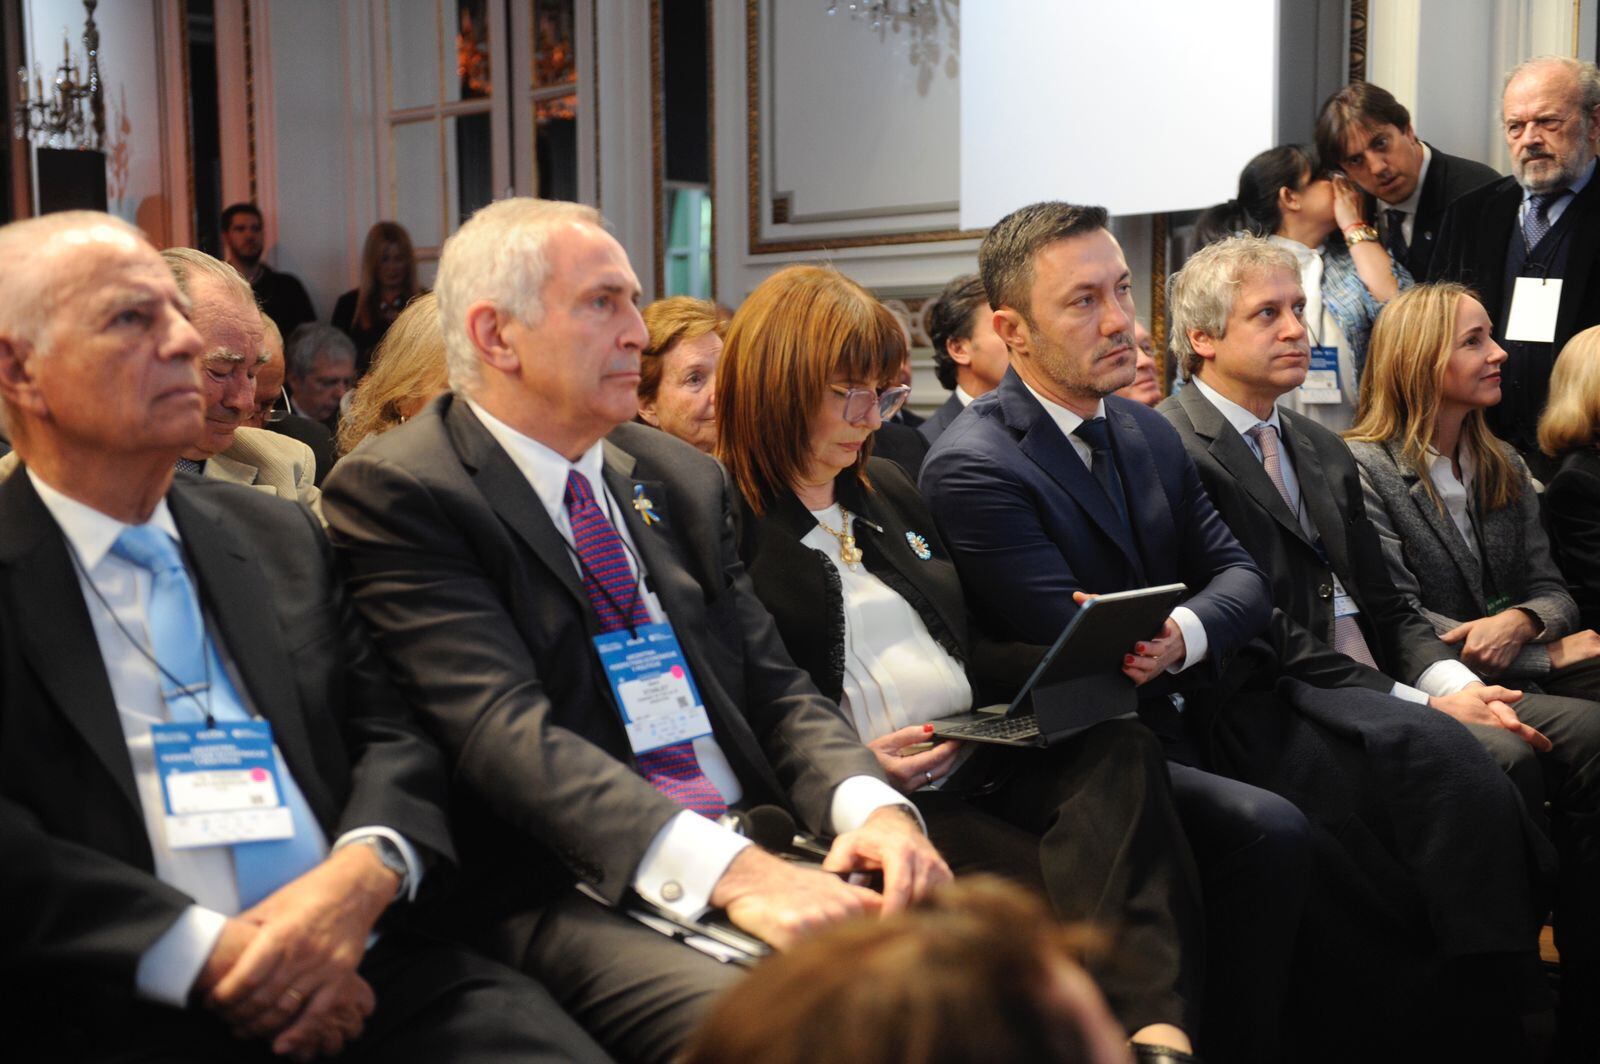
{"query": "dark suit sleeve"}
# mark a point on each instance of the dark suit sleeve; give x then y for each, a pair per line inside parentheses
(344, 312)
(1449, 262)
(69, 909)
(1573, 503)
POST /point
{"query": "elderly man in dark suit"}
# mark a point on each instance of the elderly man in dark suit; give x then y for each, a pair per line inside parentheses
(149, 626)
(1045, 489)
(1364, 131)
(500, 543)
(1529, 244)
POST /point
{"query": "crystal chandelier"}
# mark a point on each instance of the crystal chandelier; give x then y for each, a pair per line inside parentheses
(879, 12)
(73, 115)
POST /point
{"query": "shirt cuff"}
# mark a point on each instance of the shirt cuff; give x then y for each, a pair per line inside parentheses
(859, 797)
(1409, 693)
(408, 852)
(683, 863)
(168, 969)
(1446, 677)
(1195, 643)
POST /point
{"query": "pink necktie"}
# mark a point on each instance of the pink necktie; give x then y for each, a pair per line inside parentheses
(1347, 637)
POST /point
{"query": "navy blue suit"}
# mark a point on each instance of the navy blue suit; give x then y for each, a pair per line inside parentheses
(1027, 524)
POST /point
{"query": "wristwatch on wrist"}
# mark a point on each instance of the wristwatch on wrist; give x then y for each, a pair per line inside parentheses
(389, 854)
(1360, 233)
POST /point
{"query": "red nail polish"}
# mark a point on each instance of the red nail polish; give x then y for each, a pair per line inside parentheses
(1127, 659)
(927, 727)
(1138, 648)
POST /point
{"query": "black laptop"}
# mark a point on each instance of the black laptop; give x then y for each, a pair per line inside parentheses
(1079, 682)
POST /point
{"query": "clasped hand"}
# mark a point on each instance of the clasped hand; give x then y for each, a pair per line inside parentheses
(286, 969)
(1480, 704)
(779, 901)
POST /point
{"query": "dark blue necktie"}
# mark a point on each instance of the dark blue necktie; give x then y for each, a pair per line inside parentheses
(1097, 434)
(1537, 222)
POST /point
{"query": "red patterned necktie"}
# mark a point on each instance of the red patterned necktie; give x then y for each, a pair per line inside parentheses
(617, 600)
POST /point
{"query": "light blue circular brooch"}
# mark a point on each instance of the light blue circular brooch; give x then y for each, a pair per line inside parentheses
(919, 546)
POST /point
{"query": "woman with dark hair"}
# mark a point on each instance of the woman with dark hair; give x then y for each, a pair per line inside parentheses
(1345, 271)
(388, 283)
(842, 550)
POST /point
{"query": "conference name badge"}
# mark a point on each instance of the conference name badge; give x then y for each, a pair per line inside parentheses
(220, 784)
(1322, 378)
(1535, 303)
(650, 678)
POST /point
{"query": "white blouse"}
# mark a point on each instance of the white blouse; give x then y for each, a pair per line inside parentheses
(1455, 494)
(895, 673)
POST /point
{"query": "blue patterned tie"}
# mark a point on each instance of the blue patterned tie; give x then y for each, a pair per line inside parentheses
(1537, 222)
(194, 684)
(673, 770)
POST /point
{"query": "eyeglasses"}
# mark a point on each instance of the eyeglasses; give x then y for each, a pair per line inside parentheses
(280, 406)
(859, 401)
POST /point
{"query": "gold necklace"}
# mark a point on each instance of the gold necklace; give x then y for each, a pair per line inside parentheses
(849, 553)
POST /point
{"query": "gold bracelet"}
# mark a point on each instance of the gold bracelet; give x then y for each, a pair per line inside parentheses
(1360, 233)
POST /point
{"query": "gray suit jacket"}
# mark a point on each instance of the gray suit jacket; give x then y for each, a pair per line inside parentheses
(1432, 565)
(476, 604)
(270, 462)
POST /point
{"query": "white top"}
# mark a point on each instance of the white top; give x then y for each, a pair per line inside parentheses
(1444, 677)
(1324, 331)
(963, 398)
(1456, 494)
(117, 592)
(1195, 640)
(895, 673)
(689, 853)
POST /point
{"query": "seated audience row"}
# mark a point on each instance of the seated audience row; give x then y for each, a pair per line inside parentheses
(482, 774)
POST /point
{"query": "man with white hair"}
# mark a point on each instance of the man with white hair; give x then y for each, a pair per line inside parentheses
(559, 592)
(210, 792)
(1530, 243)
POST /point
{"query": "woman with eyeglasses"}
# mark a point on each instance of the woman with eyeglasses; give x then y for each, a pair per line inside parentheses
(843, 552)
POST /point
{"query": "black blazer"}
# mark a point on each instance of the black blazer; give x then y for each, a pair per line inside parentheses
(476, 604)
(802, 590)
(1572, 505)
(1401, 640)
(82, 901)
(1449, 178)
(940, 419)
(900, 444)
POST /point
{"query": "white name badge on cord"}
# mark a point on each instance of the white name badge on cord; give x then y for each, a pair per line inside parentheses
(220, 784)
(1535, 302)
(1322, 377)
(660, 705)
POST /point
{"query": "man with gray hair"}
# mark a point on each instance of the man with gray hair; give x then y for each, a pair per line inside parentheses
(1290, 491)
(319, 368)
(1530, 243)
(560, 593)
(230, 326)
(210, 790)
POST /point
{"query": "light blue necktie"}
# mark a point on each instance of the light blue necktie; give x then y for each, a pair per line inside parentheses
(193, 684)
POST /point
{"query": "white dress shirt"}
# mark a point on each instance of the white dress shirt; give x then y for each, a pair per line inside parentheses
(1444, 677)
(1454, 492)
(683, 862)
(1195, 641)
(895, 673)
(963, 398)
(116, 594)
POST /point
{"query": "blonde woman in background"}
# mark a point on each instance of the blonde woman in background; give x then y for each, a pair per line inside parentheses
(1569, 430)
(407, 371)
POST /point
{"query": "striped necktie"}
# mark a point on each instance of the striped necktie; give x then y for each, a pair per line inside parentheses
(614, 593)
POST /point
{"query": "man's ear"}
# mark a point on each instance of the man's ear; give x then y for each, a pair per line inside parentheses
(16, 376)
(1012, 329)
(487, 328)
(1203, 343)
(959, 350)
